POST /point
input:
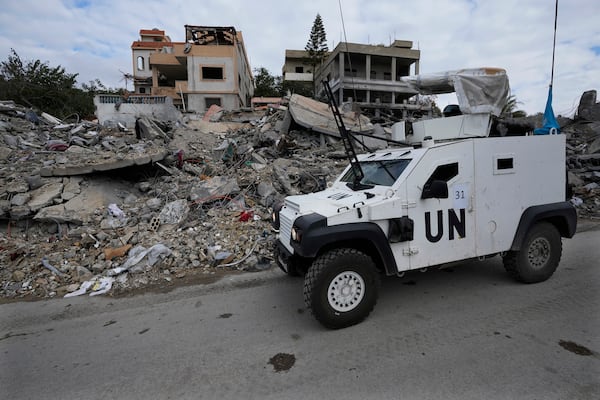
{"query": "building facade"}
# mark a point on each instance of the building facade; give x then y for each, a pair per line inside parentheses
(296, 67)
(210, 67)
(369, 74)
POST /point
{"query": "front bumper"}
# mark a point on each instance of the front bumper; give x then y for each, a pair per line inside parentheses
(282, 256)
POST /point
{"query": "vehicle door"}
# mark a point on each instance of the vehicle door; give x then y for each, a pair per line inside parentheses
(440, 194)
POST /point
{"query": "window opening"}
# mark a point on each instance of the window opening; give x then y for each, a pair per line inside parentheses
(443, 173)
(209, 101)
(212, 73)
(505, 163)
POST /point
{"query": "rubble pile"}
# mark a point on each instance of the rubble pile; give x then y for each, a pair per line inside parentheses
(92, 209)
(583, 156)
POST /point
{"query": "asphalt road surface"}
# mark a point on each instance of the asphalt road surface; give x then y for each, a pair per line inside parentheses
(465, 333)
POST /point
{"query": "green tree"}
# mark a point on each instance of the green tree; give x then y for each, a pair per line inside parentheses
(50, 89)
(510, 108)
(317, 45)
(298, 87)
(266, 85)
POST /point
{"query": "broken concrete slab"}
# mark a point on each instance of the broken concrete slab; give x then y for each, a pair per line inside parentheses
(71, 189)
(212, 189)
(372, 142)
(174, 212)
(82, 208)
(313, 114)
(45, 195)
(145, 128)
(85, 165)
(20, 199)
(587, 101)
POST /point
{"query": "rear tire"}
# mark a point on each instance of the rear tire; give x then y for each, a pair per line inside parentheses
(539, 255)
(341, 288)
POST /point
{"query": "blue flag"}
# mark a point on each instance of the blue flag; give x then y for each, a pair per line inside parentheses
(549, 122)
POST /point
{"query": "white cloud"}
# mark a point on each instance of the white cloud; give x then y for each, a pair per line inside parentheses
(93, 38)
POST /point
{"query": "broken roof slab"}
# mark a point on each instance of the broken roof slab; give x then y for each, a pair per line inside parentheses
(317, 116)
(79, 165)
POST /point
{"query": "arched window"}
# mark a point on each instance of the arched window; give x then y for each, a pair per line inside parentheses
(140, 63)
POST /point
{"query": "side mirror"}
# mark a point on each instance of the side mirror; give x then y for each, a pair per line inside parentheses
(435, 190)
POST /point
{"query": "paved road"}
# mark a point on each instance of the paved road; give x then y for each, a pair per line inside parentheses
(467, 334)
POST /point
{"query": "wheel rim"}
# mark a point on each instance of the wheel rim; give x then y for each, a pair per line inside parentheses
(539, 252)
(346, 291)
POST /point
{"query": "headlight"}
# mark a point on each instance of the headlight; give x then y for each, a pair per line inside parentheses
(275, 215)
(296, 234)
(275, 220)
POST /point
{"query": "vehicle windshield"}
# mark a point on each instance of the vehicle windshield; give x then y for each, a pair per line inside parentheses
(383, 173)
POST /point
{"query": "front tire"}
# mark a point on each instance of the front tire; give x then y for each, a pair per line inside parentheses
(539, 255)
(341, 288)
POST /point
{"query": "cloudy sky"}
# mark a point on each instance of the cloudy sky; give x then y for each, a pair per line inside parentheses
(93, 37)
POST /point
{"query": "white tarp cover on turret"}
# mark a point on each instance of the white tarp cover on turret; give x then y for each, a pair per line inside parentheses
(479, 90)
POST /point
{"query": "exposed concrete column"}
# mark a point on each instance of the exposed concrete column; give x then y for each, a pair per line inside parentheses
(417, 67)
(368, 67)
(393, 69)
(154, 77)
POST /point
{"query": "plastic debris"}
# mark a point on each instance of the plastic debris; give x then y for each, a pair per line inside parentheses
(102, 286)
(576, 201)
(138, 254)
(116, 211)
(82, 289)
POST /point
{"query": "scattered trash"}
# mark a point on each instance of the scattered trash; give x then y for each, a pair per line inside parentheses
(138, 255)
(82, 289)
(103, 285)
(116, 211)
(246, 216)
(576, 201)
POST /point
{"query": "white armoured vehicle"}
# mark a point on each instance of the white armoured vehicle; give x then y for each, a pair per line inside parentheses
(455, 192)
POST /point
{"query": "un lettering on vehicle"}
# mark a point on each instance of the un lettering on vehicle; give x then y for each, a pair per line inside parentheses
(434, 225)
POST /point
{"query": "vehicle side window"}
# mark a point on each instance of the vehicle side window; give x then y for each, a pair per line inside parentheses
(443, 173)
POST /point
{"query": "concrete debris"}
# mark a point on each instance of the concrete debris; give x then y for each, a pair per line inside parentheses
(90, 209)
(174, 212)
(583, 156)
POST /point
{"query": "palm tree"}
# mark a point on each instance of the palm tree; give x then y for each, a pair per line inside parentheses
(510, 108)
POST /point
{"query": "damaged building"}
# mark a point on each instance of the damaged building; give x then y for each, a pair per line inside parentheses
(298, 70)
(210, 67)
(369, 75)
